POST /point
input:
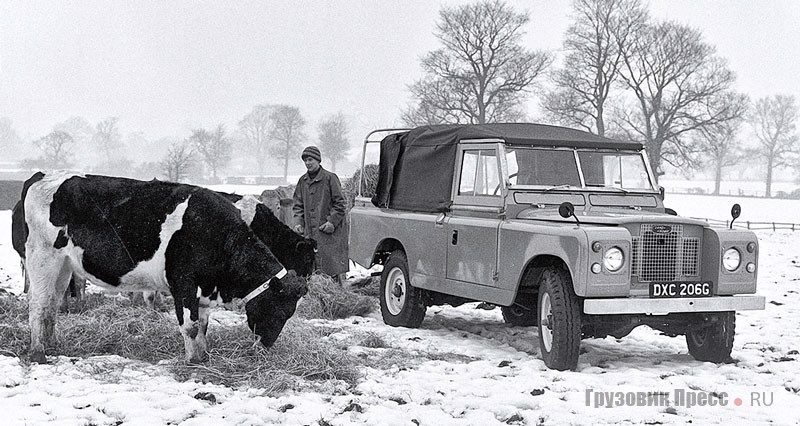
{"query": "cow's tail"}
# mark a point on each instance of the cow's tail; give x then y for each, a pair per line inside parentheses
(19, 228)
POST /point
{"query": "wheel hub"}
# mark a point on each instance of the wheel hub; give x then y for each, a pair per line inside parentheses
(547, 322)
(397, 290)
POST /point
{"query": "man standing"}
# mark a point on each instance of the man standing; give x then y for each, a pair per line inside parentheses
(319, 213)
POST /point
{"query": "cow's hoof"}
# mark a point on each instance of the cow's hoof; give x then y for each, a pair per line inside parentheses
(38, 357)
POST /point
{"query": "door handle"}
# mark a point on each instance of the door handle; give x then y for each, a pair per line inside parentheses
(455, 237)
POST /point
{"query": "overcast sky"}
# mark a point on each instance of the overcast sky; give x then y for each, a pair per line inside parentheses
(165, 67)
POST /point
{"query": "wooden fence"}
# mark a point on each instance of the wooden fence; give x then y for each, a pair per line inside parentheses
(754, 226)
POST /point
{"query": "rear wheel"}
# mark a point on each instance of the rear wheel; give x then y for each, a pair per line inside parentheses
(402, 305)
(559, 320)
(712, 340)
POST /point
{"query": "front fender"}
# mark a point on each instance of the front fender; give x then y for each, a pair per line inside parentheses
(715, 242)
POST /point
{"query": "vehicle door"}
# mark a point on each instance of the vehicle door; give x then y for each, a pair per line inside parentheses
(472, 227)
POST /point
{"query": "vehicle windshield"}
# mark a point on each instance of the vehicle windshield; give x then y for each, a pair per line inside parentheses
(558, 168)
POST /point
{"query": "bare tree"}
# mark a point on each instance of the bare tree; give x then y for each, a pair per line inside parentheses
(719, 143)
(593, 58)
(481, 74)
(77, 127)
(108, 138)
(9, 139)
(287, 131)
(214, 148)
(178, 161)
(136, 140)
(333, 132)
(676, 79)
(255, 128)
(56, 150)
(147, 170)
(774, 120)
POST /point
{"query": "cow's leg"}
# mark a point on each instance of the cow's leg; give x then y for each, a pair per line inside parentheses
(194, 339)
(149, 298)
(202, 342)
(25, 278)
(204, 310)
(78, 287)
(49, 276)
(64, 303)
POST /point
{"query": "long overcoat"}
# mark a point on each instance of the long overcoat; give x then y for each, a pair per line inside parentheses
(317, 201)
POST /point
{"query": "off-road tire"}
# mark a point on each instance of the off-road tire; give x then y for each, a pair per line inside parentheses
(713, 342)
(522, 312)
(402, 305)
(560, 331)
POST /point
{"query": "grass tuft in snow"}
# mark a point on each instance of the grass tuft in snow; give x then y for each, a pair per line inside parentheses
(367, 286)
(301, 354)
(111, 326)
(14, 330)
(329, 300)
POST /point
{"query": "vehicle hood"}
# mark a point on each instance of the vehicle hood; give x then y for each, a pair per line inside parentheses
(616, 218)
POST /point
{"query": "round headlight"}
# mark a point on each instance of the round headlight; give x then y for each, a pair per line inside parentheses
(731, 259)
(613, 259)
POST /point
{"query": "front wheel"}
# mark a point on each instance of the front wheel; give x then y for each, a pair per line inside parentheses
(712, 341)
(402, 305)
(559, 320)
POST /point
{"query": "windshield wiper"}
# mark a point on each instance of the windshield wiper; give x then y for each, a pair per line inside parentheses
(600, 185)
(616, 189)
(562, 186)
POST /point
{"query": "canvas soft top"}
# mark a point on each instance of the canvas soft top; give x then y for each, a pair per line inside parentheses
(416, 166)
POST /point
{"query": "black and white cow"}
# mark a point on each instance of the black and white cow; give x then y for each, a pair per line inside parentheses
(294, 251)
(130, 235)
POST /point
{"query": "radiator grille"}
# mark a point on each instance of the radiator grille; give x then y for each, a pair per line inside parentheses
(691, 257)
(661, 253)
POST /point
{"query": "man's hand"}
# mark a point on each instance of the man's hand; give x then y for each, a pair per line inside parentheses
(299, 229)
(327, 228)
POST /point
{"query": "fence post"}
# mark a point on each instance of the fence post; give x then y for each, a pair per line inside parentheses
(773, 226)
(748, 224)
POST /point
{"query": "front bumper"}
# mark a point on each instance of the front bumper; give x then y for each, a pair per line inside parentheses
(630, 305)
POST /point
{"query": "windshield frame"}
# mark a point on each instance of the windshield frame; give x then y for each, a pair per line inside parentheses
(653, 187)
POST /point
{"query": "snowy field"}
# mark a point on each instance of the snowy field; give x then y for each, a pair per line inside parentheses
(748, 187)
(486, 373)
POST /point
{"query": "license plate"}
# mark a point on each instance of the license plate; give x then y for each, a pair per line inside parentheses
(681, 289)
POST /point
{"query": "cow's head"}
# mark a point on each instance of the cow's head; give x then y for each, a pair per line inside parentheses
(269, 311)
(305, 253)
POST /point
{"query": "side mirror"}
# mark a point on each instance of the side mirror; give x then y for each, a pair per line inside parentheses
(566, 209)
(662, 191)
(736, 211)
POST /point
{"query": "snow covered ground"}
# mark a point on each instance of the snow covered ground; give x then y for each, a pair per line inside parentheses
(473, 369)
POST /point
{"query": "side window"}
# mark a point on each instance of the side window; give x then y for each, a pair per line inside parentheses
(479, 173)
